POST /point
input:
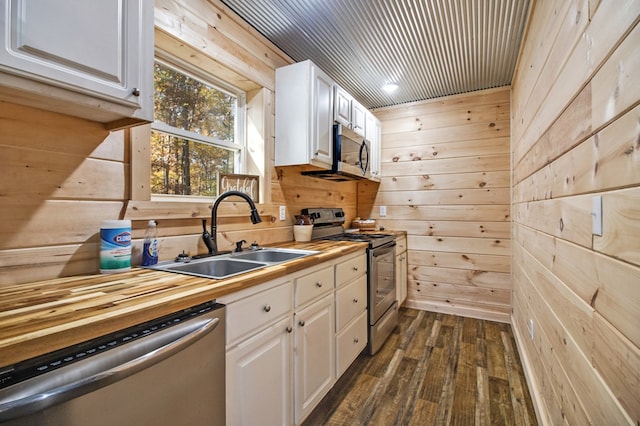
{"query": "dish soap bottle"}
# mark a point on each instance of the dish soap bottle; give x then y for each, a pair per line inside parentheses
(150, 246)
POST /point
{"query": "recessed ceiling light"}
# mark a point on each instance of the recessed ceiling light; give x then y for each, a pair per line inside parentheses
(390, 87)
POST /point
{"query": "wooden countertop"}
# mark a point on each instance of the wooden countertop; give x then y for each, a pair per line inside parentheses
(40, 317)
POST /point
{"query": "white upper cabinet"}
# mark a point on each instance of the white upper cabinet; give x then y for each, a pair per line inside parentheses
(348, 112)
(373, 131)
(304, 116)
(342, 107)
(358, 117)
(91, 59)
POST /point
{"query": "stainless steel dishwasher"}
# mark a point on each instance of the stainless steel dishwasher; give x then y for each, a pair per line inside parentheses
(170, 371)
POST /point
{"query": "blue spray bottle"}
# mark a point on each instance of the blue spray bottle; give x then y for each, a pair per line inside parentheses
(150, 246)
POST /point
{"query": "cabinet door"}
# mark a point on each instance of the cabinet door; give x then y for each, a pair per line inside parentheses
(350, 342)
(342, 112)
(259, 378)
(322, 116)
(372, 132)
(358, 120)
(314, 357)
(401, 277)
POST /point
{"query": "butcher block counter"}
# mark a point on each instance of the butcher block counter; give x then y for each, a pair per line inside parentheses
(37, 318)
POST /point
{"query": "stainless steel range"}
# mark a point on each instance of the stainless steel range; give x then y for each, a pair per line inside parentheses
(328, 224)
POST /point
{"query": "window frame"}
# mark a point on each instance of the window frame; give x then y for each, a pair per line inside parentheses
(240, 123)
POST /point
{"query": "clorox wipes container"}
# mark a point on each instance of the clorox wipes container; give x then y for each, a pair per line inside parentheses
(115, 246)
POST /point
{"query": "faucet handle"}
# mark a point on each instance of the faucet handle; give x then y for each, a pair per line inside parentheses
(254, 246)
(183, 257)
(239, 246)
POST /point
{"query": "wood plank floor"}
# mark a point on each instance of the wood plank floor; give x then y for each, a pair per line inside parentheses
(435, 369)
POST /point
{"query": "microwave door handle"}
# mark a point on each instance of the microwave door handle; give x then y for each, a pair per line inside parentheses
(364, 164)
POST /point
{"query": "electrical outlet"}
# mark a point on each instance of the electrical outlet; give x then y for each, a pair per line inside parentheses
(531, 329)
(596, 215)
(283, 212)
(383, 211)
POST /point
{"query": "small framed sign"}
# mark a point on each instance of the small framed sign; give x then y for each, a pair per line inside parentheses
(248, 184)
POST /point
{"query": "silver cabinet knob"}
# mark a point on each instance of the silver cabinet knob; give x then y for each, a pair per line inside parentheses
(318, 284)
(267, 308)
(135, 91)
(356, 340)
(289, 329)
(355, 268)
(301, 323)
(355, 300)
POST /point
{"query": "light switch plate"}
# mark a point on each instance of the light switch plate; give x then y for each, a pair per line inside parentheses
(596, 215)
(283, 212)
(383, 211)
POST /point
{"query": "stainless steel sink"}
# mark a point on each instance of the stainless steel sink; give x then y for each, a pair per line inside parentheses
(215, 267)
(228, 265)
(273, 255)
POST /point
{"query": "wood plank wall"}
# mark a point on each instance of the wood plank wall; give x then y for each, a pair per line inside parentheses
(575, 135)
(62, 176)
(445, 180)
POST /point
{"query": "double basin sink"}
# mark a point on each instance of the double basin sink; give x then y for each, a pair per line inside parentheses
(228, 265)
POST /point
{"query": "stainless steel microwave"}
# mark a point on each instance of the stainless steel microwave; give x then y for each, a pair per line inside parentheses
(351, 155)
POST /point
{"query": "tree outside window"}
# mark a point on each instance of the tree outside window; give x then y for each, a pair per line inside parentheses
(194, 137)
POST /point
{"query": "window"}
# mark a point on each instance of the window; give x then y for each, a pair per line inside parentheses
(197, 133)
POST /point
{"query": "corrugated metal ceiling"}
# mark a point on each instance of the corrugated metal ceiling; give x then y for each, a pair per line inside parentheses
(430, 48)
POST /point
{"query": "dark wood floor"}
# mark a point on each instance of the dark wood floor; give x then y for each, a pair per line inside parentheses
(435, 369)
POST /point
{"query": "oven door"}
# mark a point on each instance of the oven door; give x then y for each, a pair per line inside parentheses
(382, 280)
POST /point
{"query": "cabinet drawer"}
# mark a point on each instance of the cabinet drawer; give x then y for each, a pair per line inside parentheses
(350, 342)
(313, 285)
(350, 269)
(259, 310)
(351, 300)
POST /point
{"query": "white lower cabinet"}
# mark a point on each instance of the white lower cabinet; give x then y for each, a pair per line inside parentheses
(283, 343)
(259, 378)
(314, 355)
(350, 342)
(351, 310)
(401, 269)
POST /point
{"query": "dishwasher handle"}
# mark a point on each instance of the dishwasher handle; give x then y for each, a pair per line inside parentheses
(101, 370)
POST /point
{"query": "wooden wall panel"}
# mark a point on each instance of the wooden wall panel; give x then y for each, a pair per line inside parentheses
(574, 135)
(445, 168)
(308, 192)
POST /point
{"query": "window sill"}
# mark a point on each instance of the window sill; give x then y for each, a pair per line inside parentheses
(189, 209)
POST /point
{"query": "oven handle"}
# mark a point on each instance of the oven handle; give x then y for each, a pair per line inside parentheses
(114, 365)
(379, 251)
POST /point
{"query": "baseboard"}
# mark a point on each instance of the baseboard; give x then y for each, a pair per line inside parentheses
(462, 311)
(534, 389)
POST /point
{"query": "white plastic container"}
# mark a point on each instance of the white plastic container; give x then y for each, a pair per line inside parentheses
(302, 232)
(115, 246)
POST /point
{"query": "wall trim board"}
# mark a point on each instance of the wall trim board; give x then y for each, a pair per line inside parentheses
(539, 405)
(465, 311)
